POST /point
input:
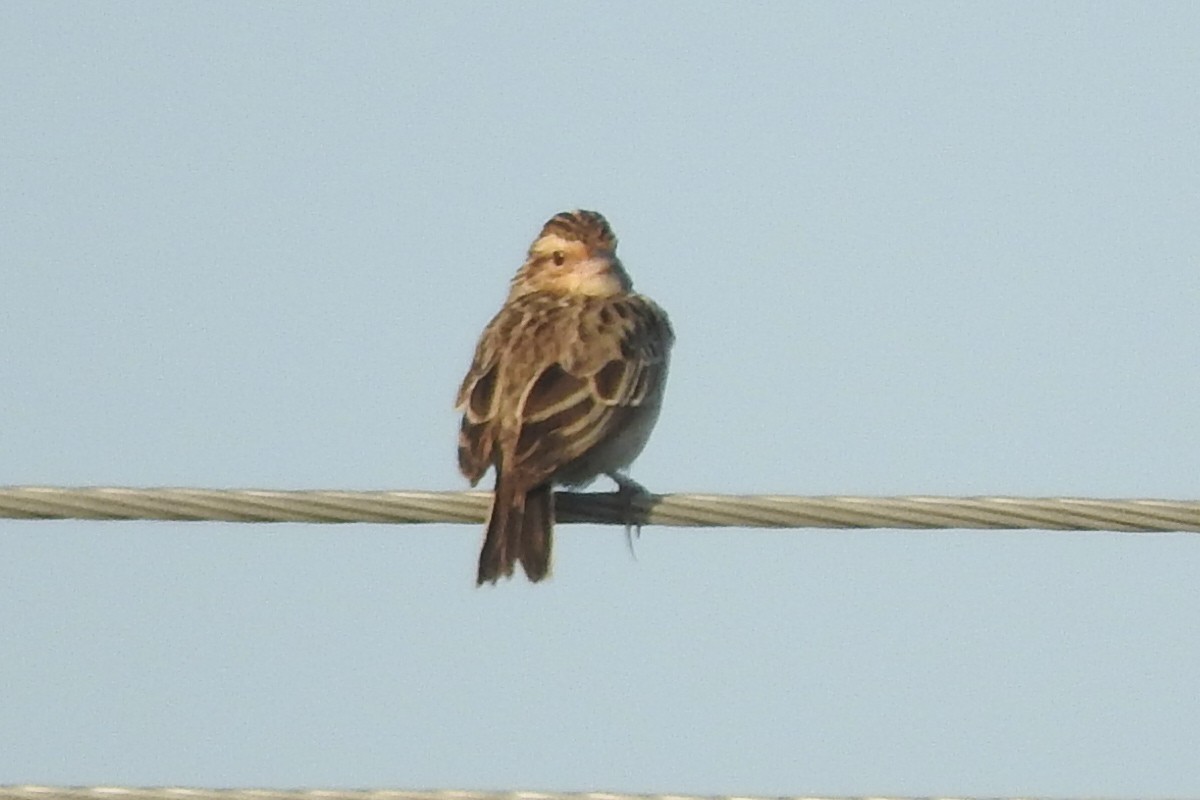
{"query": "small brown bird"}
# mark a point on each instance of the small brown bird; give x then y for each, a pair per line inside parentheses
(566, 385)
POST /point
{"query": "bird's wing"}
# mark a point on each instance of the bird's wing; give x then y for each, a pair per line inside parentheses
(552, 377)
(478, 402)
(611, 359)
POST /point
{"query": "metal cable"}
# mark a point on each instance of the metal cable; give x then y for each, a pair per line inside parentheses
(180, 793)
(680, 510)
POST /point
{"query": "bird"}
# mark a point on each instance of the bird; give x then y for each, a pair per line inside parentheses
(566, 384)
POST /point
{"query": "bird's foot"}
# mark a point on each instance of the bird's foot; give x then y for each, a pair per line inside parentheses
(629, 490)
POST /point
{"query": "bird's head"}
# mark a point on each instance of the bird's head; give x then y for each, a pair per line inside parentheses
(574, 254)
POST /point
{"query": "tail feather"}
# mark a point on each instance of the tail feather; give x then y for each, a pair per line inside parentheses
(537, 529)
(519, 529)
(500, 547)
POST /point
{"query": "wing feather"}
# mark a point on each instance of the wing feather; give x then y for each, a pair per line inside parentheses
(616, 362)
(552, 378)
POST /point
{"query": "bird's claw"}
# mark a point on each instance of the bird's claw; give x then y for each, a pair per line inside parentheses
(629, 490)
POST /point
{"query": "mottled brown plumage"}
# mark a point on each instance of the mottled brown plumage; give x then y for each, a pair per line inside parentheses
(566, 385)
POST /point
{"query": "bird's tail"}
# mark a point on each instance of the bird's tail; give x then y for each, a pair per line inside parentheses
(519, 528)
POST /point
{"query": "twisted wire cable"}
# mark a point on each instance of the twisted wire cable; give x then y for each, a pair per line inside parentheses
(183, 793)
(679, 510)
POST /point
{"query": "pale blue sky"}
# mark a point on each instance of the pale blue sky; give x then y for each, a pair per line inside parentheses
(925, 248)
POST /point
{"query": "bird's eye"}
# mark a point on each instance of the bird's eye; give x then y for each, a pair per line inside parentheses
(559, 257)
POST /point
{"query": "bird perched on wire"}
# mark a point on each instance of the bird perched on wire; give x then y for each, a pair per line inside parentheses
(566, 385)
